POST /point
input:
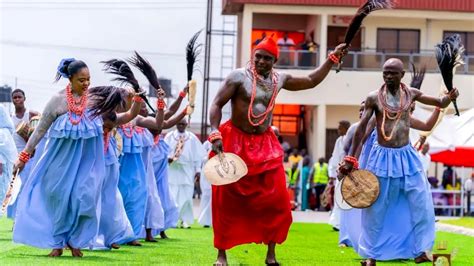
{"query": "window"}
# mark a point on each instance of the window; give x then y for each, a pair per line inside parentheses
(467, 39)
(398, 41)
(287, 118)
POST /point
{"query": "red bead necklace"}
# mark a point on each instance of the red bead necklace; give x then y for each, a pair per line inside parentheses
(128, 127)
(156, 139)
(76, 107)
(263, 116)
(139, 130)
(405, 101)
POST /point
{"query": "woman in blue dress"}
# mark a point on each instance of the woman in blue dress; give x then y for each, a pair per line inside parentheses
(114, 227)
(136, 179)
(8, 153)
(160, 164)
(57, 207)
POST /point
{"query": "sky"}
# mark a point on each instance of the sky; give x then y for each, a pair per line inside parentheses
(36, 34)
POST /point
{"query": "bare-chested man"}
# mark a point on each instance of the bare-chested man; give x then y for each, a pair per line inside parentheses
(21, 115)
(400, 224)
(255, 209)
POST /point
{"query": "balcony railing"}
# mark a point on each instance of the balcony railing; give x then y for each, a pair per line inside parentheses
(368, 60)
(301, 59)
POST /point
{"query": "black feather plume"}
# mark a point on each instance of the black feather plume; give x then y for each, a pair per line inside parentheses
(417, 76)
(192, 52)
(122, 71)
(362, 12)
(145, 67)
(124, 75)
(449, 55)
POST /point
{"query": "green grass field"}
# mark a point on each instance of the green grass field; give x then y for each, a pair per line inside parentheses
(465, 222)
(307, 244)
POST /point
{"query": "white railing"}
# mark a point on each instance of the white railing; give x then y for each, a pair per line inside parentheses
(372, 60)
(367, 60)
(300, 59)
(458, 201)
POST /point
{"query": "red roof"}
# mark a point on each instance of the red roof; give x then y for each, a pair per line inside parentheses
(234, 6)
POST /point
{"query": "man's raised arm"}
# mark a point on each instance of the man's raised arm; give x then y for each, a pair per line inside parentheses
(441, 102)
(318, 75)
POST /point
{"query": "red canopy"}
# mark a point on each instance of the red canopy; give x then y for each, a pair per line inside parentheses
(461, 156)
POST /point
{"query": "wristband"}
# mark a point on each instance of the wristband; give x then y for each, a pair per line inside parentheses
(24, 156)
(333, 58)
(182, 94)
(216, 135)
(353, 160)
(160, 104)
(138, 99)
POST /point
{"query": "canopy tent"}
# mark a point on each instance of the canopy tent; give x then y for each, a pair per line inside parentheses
(452, 141)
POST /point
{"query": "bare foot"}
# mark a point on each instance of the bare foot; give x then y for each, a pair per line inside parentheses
(134, 243)
(163, 235)
(115, 246)
(150, 239)
(272, 262)
(368, 262)
(343, 245)
(75, 252)
(56, 252)
(149, 236)
(221, 259)
(271, 257)
(422, 258)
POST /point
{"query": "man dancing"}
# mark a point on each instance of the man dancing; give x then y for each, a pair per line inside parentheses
(400, 224)
(255, 209)
(185, 159)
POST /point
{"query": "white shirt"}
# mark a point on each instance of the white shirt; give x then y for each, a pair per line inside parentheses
(20, 143)
(425, 160)
(285, 45)
(189, 162)
(468, 185)
(337, 156)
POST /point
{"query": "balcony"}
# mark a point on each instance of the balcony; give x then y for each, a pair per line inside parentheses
(299, 59)
(368, 60)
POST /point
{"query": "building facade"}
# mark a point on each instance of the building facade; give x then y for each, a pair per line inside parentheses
(410, 32)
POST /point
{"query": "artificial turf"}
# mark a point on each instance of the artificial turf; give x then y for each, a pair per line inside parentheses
(307, 244)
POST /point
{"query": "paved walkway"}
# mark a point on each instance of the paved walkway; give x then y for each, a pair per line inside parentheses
(455, 229)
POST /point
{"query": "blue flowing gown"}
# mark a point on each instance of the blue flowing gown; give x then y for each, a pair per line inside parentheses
(58, 203)
(160, 164)
(351, 219)
(154, 215)
(401, 223)
(114, 225)
(132, 180)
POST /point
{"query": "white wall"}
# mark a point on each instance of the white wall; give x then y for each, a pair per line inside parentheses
(351, 87)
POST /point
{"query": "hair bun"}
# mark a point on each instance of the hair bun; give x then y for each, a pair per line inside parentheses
(62, 68)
